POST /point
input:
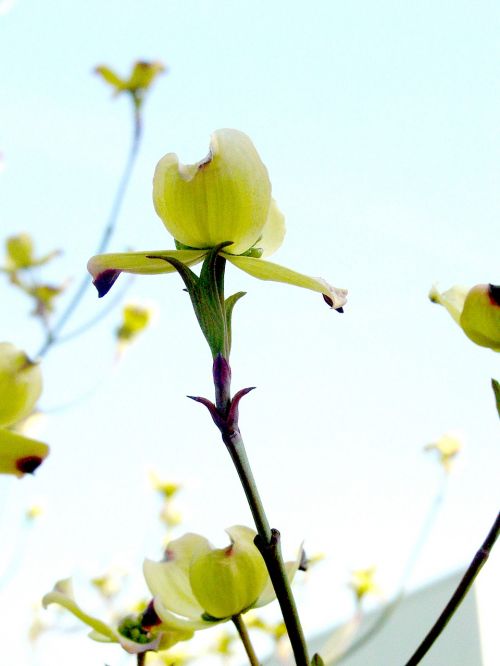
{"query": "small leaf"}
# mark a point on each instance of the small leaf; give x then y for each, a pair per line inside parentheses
(317, 661)
(230, 302)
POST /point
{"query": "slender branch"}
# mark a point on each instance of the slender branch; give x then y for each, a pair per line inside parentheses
(458, 596)
(245, 639)
(390, 608)
(53, 336)
(268, 540)
(141, 658)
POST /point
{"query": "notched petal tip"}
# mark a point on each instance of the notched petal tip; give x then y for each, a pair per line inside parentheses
(105, 280)
(28, 464)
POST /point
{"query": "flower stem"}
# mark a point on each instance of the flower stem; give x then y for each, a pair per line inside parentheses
(53, 334)
(245, 639)
(268, 540)
(458, 596)
(141, 658)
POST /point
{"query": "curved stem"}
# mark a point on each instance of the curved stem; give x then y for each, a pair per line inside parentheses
(245, 639)
(458, 596)
(53, 335)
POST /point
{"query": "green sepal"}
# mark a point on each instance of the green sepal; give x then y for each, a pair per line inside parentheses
(229, 304)
(317, 661)
(496, 390)
(188, 276)
(207, 297)
(210, 618)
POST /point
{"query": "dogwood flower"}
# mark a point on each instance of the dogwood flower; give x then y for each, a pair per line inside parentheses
(197, 585)
(20, 388)
(129, 633)
(226, 197)
(476, 311)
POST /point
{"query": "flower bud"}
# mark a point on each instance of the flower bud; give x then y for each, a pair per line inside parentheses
(480, 318)
(476, 311)
(20, 250)
(227, 581)
(20, 384)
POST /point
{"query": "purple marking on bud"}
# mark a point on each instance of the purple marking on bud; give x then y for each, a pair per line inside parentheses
(494, 294)
(28, 464)
(105, 280)
(150, 617)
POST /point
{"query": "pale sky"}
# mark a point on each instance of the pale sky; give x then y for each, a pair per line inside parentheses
(378, 123)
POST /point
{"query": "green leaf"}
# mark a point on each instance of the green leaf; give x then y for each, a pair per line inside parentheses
(317, 661)
(496, 390)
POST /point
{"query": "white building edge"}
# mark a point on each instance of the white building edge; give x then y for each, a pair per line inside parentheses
(471, 638)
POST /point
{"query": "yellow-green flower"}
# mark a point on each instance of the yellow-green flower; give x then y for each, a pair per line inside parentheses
(20, 388)
(476, 311)
(135, 319)
(226, 197)
(198, 585)
(129, 633)
(363, 582)
(141, 77)
(447, 448)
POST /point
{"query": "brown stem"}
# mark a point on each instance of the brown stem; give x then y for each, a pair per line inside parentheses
(458, 596)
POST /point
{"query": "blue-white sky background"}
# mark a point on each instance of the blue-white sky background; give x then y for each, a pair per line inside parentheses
(379, 124)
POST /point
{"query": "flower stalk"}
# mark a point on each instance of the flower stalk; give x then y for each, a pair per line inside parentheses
(458, 596)
(53, 335)
(245, 639)
(225, 414)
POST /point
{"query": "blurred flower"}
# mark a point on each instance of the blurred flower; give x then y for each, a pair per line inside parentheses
(21, 256)
(363, 583)
(20, 388)
(226, 197)
(447, 447)
(109, 584)
(476, 311)
(198, 585)
(135, 319)
(34, 511)
(166, 488)
(170, 516)
(138, 83)
(130, 632)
